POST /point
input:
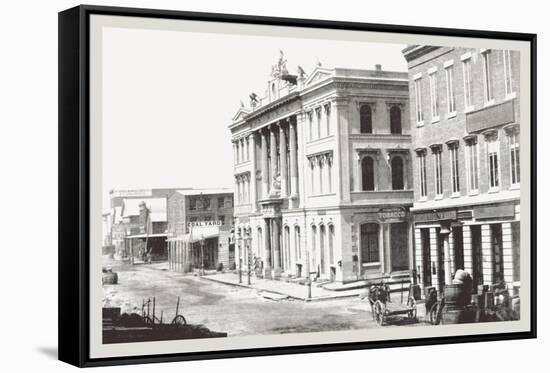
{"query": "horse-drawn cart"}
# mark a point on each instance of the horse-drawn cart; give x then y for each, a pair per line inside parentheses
(382, 307)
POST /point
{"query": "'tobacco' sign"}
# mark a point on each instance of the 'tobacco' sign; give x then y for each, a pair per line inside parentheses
(392, 214)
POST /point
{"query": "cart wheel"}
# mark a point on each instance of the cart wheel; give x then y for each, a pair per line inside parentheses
(148, 320)
(411, 304)
(179, 320)
(434, 314)
(378, 314)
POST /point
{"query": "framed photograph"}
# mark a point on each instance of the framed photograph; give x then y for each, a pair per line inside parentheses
(232, 186)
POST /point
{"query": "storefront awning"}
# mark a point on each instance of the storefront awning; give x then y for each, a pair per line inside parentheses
(143, 235)
(198, 234)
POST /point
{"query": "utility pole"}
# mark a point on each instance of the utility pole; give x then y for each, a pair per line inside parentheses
(248, 256)
(240, 244)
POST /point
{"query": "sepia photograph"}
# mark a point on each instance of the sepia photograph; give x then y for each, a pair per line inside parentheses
(258, 186)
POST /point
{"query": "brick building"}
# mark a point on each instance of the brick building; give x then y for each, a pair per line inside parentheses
(199, 229)
(465, 132)
(323, 180)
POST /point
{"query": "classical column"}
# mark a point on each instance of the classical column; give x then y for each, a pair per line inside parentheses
(235, 157)
(243, 158)
(244, 182)
(293, 160)
(381, 247)
(452, 252)
(434, 259)
(265, 166)
(467, 242)
(282, 152)
(343, 168)
(238, 183)
(248, 188)
(253, 193)
(273, 154)
(444, 233)
(487, 254)
(267, 244)
(276, 244)
(508, 256)
(321, 164)
(329, 172)
(418, 256)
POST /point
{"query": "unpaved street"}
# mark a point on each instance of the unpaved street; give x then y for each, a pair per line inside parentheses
(235, 310)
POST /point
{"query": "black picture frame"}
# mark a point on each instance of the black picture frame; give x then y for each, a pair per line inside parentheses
(74, 183)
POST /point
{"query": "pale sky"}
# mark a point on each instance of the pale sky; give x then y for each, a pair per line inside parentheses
(169, 96)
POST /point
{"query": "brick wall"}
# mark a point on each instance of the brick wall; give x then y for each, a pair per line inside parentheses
(455, 128)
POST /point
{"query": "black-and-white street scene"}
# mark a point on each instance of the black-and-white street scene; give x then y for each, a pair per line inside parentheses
(271, 185)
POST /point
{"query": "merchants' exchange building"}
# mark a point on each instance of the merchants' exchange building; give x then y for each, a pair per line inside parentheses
(465, 126)
(323, 175)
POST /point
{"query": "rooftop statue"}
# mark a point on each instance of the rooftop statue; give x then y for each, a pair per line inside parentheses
(301, 73)
(280, 68)
(254, 99)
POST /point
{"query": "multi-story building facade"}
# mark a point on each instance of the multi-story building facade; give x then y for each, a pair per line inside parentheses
(146, 223)
(196, 215)
(138, 221)
(323, 176)
(465, 132)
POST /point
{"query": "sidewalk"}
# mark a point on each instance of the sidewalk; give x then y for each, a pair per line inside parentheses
(277, 290)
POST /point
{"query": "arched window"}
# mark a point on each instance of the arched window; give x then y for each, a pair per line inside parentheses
(367, 171)
(370, 252)
(322, 235)
(260, 243)
(287, 247)
(365, 119)
(313, 247)
(331, 243)
(395, 120)
(397, 177)
(297, 247)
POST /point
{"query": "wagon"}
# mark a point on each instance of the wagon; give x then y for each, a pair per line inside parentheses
(382, 307)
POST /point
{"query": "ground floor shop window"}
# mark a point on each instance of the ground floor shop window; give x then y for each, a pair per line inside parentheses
(458, 248)
(399, 240)
(496, 249)
(370, 252)
(516, 250)
(477, 264)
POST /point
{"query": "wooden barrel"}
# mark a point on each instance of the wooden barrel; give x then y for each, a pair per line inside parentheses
(453, 314)
(457, 294)
(453, 293)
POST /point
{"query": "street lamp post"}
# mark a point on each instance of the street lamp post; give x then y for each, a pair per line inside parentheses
(240, 242)
(308, 281)
(247, 244)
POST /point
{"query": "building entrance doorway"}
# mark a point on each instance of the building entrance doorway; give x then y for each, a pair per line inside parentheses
(477, 264)
(399, 240)
(426, 257)
(370, 252)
